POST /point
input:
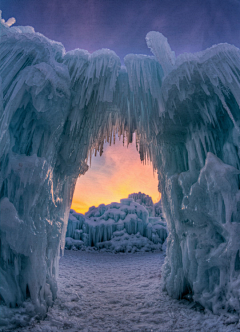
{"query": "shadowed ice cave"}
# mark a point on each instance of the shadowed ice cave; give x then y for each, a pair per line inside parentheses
(57, 108)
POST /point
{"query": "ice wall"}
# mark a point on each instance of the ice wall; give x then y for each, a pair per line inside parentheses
(57, 108)
(47, 131)
(100, 224)
(198, 163)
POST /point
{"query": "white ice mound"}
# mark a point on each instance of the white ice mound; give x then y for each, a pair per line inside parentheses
(99, 226)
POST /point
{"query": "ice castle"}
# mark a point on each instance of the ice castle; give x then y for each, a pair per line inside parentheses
(57, 108)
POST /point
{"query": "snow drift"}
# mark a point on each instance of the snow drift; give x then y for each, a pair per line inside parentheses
(57, 108)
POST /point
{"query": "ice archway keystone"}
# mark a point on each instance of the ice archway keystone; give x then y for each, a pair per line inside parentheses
(57, 107)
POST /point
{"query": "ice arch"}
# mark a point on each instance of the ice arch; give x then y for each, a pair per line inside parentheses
(56, 107)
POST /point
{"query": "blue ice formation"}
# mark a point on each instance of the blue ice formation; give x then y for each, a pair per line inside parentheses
(109, 226)
(57, 108)
(154, 210)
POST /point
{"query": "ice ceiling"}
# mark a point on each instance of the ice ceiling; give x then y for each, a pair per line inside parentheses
(57, 107)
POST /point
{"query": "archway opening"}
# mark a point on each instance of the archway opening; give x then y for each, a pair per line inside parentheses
(114, 175)
(116, 205)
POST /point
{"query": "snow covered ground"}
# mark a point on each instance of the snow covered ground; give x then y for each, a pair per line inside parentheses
(121, 292)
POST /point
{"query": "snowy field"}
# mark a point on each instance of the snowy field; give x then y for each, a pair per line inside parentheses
(120, 292)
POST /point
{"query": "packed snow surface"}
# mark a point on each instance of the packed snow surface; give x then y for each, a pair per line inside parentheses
(102, 292)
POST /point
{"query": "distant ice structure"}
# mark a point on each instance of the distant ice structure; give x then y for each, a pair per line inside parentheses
(57, 108)
(129, 243)
(141, 198)
(154, 210)
(159, 210)
(124, 226)
(144, 200)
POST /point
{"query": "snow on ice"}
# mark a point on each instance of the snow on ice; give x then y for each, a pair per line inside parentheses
(57, 108)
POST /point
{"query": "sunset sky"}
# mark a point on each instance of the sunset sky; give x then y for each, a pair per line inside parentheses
(121, 25)
(116, 174)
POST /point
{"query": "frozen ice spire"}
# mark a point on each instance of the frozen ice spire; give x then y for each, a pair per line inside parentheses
(9, 22)
(159, 46)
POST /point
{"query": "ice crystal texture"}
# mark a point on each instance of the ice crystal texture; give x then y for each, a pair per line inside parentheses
(57, 108)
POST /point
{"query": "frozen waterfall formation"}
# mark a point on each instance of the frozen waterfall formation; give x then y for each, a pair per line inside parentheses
(117, 227)
(56, 108)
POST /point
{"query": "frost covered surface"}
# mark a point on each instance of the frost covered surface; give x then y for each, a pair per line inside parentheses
(210, 219)
(198, 164)
(40, 162)
(106, 292)
(117, 227)
(57, 107)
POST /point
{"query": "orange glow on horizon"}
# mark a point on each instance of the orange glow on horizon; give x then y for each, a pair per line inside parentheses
(113, 176)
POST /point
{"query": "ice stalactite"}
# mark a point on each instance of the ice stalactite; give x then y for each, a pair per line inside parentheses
(57, 108)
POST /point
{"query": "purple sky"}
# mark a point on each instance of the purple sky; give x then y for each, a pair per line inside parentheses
(189, 25)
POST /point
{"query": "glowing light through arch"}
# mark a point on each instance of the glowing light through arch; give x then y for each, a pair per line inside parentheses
(116, 174)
